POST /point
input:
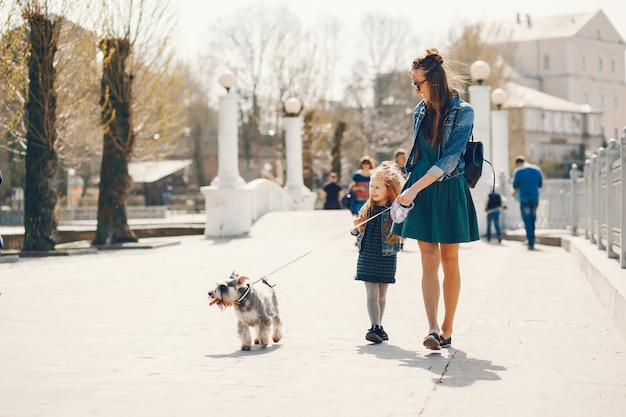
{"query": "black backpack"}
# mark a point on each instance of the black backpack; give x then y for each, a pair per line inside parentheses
(494, 200)
(474, 158)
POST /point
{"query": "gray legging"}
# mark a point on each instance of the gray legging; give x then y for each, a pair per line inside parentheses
(376, 300)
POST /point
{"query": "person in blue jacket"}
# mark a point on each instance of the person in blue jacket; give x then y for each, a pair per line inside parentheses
(527, 180)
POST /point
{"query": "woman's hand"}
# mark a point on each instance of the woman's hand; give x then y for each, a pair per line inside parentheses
(407, 196)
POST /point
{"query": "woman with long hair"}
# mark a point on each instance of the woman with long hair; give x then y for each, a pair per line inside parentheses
(443, 215)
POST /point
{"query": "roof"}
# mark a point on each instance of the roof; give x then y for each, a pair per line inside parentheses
(529, 28)
(522, 96)
(151, 171)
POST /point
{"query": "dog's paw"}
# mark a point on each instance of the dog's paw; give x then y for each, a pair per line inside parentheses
(256, 341)
(246, 347)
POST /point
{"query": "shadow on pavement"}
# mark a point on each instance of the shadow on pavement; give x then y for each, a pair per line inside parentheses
(454, 370)
(242, 353)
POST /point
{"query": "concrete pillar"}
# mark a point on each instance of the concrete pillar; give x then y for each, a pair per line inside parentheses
(500, 141)
(302, 197)
(481, 102)
(293, 149)
(228, 138)
(480, 98)
(228, 204)
(228, 211)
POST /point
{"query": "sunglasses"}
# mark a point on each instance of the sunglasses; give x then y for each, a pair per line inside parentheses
(417, 85)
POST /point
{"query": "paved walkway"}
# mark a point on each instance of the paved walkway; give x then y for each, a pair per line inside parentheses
(131, 333)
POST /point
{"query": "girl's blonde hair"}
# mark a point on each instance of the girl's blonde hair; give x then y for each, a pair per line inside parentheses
(389, 174)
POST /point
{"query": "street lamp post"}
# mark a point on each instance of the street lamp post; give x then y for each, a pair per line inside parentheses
(479, 97)
(481, 102)
(293, 147)
(227, 201)
(302, 197)
(500, 134)
(227, 152)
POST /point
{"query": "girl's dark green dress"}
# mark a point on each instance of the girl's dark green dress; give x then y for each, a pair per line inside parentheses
(372, 265)
(444, 211)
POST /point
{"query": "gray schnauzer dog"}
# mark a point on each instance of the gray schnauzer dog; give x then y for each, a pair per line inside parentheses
(256, 306)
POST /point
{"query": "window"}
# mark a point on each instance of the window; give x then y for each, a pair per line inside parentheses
(616, 100)
(546, 62)
(583, 61)
(601, 99)
(613, 65)
(600, 64)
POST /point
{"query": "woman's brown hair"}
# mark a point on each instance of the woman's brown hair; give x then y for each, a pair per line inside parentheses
(436, 73)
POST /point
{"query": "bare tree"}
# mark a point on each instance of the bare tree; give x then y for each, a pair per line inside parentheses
(78, 127)
(49, 111)
(380, 90)
(273, 57)
(40, 118)
(141, 98)
(13, 84)
(243, 44)
(469, 43)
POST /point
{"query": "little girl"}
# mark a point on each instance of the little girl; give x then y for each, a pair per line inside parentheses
(377, 246)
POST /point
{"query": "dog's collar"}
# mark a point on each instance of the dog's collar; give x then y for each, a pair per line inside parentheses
(244, 294)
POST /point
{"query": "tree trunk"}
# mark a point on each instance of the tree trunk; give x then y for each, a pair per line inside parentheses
(118, 143)
(41, 159)
(336, 148)
(307, 154)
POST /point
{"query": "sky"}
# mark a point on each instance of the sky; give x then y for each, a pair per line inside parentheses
(433, 18)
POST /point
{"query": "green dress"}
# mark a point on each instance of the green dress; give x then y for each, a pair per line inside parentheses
(444, 211)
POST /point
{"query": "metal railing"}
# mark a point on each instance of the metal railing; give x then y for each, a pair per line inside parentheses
(598, 212)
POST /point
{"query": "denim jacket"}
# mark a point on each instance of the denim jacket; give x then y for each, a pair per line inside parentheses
(389, 249)
(457, 129)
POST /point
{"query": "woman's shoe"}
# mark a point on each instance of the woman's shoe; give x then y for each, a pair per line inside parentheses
(432, 341)
(444, 343)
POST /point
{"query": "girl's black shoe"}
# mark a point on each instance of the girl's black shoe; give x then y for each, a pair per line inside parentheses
(381, 332)
(373, 335)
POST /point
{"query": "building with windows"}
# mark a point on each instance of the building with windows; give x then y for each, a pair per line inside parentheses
(550, 131)
(577, 57)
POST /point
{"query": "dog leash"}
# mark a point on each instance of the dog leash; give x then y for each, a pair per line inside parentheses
(393, 206)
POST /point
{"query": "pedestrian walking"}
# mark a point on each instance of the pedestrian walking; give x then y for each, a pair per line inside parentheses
(495, 203)
(399, 157)
(359, 186)
(331, 193)
(443, 214)
(527, 180)
(378, 248)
